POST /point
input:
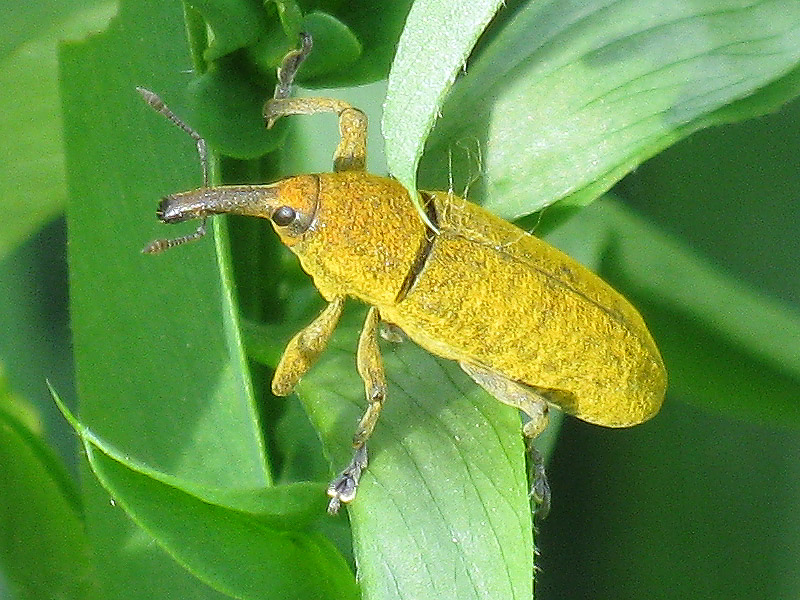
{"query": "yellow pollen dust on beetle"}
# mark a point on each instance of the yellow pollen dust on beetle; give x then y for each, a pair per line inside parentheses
(529, 324)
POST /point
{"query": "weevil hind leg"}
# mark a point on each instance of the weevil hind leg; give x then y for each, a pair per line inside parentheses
(534, 404)
(370, 366)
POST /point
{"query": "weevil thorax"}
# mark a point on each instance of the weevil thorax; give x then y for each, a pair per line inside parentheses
(362, 238)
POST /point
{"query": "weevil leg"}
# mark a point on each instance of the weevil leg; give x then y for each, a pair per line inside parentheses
(370, 366)
(290, 64)
(351, 153)
(305, 347)
(343, 488)
(534, 405)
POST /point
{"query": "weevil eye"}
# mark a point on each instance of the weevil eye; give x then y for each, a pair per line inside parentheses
(283, 216)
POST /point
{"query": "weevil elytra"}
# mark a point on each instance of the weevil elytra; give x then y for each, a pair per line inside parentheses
(525, 321)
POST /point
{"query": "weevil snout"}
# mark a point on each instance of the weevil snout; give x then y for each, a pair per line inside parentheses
(291, 204)
(251, 201)
(254, 201)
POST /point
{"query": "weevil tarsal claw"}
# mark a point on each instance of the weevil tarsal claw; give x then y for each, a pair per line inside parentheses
(343, 489)
(540, 488)
(287, 72)
(291, 64)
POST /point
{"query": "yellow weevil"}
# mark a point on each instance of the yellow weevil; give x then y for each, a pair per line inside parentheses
(529, 324)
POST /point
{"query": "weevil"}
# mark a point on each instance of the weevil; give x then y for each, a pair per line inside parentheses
(529, 324)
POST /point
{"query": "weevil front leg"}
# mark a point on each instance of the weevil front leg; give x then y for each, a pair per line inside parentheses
(351, 153)
(370, 367)
(305, 347)
(533, 404)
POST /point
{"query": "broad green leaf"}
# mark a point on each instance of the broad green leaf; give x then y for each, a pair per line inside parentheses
(159, 368)
(32, 180)
(234, 552)
(44, 550)
(565, 98)
(220, 535)
(436, 41)
(443, 508)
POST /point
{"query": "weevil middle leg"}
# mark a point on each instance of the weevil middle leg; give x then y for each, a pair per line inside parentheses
(534, 405)
(370, 367)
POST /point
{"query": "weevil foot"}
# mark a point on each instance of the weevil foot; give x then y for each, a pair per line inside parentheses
(540, 488)
(343, 489)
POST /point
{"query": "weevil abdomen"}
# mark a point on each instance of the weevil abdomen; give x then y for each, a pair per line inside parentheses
(524, 309)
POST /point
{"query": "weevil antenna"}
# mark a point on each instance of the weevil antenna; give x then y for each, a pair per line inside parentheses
(157, 104)
(157, 246)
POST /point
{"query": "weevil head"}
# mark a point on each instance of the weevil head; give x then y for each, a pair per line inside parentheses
(290, 204)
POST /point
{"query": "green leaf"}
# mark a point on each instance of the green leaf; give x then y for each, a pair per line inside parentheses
(341, 47)
(437, 38)
(377, 27)
(234, 552)
(225, 105)
(290, 16)
(219, 534)
(32, 180)
(233, 24)
(44, 550)
(159, 367)
(565, 99)
(443, 509)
